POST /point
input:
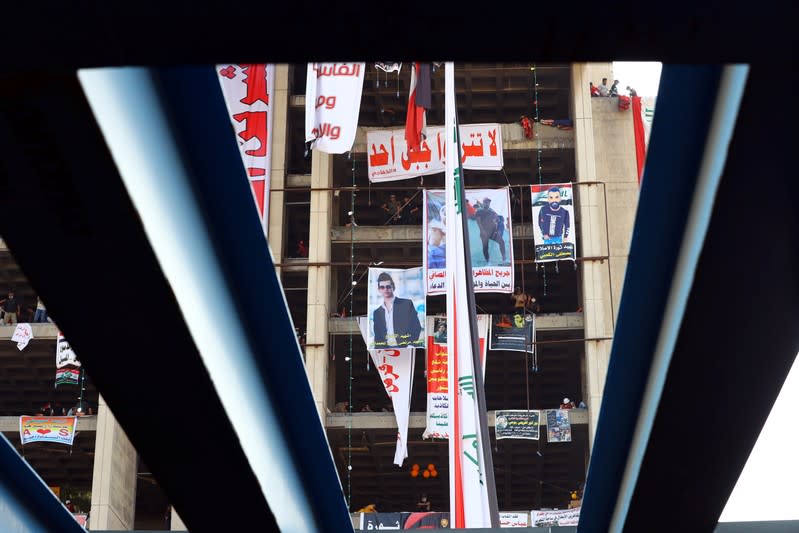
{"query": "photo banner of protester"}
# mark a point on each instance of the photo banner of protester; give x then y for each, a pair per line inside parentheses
(564, 517)
(67, 376)
(396, 308)
(390, 160)
(553, 222)
(58, 429)
(559, 428)
(513, 332)
(248, 91)
(428, 520)
(490, 239)
(64, 355)
(396, 371)
(517, 424)
(437, 418)
(23, 334)
(332, 104)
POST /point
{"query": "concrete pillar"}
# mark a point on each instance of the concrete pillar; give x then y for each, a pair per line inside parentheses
(319, 305)
(280, 107)
(114, 476)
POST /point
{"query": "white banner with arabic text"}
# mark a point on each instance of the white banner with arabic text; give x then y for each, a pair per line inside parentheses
(396, 372)
(332, 103)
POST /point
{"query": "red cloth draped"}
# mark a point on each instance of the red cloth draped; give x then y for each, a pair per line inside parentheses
(640, 142)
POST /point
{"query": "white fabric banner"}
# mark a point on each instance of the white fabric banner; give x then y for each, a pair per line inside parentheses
(63, 353)
(22, 335)
(396, 371)
(565, 517)
(332, 104)
(437, 416)
(468, 490)
(248, 89)
(507, 519)
(389, 158)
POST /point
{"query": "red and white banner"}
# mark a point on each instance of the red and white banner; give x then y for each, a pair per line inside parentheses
(396, 371)
(58, 429)
(248, 89)
(389, 158)
(332, 104)
(437, 426)
(468, 485)
(64, 355)
(514, 519)
(22, 335)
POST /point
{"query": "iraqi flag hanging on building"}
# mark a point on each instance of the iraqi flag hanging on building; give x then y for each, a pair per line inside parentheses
(419, 101)
(471, 480)
(247, 89)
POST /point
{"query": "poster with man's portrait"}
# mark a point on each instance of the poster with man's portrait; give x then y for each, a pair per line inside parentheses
(489, 231)
(553, 222)
(396, 307)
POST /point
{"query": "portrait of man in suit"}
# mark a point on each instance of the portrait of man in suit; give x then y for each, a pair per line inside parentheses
(396, 323)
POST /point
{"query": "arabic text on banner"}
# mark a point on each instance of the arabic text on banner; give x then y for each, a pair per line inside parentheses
(553, 222)
(490, 235)
(58, 429)
(516, 519)
(437, 419)
(388, 157)
(396, 371)
(468, 484)
(559, 427)
(405, 520)
(23, 334)
(565, 517)
(248, 89)
(514, 332)
(332, 103)
(517, 424)
(396, 305)
(64, 355)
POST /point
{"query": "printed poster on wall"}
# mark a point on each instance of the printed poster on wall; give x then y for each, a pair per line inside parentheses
(559, 427)
(247, 89)
(553, 222)
(389, 159)
(513, 332)
(396, 371)
(64, 355)
(565, 517)
(58, 429)
(332, 104)
(396, 304)
(517, 424)
(437, 425)
(490, 240)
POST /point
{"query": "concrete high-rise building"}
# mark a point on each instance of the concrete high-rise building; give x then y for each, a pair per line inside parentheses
(311, 199)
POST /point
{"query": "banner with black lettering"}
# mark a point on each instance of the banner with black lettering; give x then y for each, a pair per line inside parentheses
(513, 332)
(490, 237)
(247, 89)
(564, 517)
(559, 428)
(396, 304)
(64, 355)
(553, 222)
(332, 104)
(514, 519)
(517, 424)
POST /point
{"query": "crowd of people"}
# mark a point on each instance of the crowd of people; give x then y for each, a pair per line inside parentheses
(603, 90)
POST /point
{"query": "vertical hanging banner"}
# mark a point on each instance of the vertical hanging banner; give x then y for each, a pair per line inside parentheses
(472, 494)
(58, 429)
(396, 372)
(23, 334)
(437, 426)
(514, 332)
(247, 89)
(64, 355)
(559, 428)
(490, 240)
(553, 222)
(390, 159)
(396, 308)
(332, 103)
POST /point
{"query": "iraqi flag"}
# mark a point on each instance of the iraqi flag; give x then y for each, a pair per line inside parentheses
(419, 101)
(472, 492)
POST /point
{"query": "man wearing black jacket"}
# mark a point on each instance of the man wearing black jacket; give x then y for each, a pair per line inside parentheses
(396, 322)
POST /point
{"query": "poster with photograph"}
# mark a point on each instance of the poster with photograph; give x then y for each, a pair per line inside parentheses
(396, 304)
(553, 222)
(514, 332)
(490, 240)
(517, 424)
(559, 428)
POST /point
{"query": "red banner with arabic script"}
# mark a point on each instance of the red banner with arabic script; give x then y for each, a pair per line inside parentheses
(388, 157)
